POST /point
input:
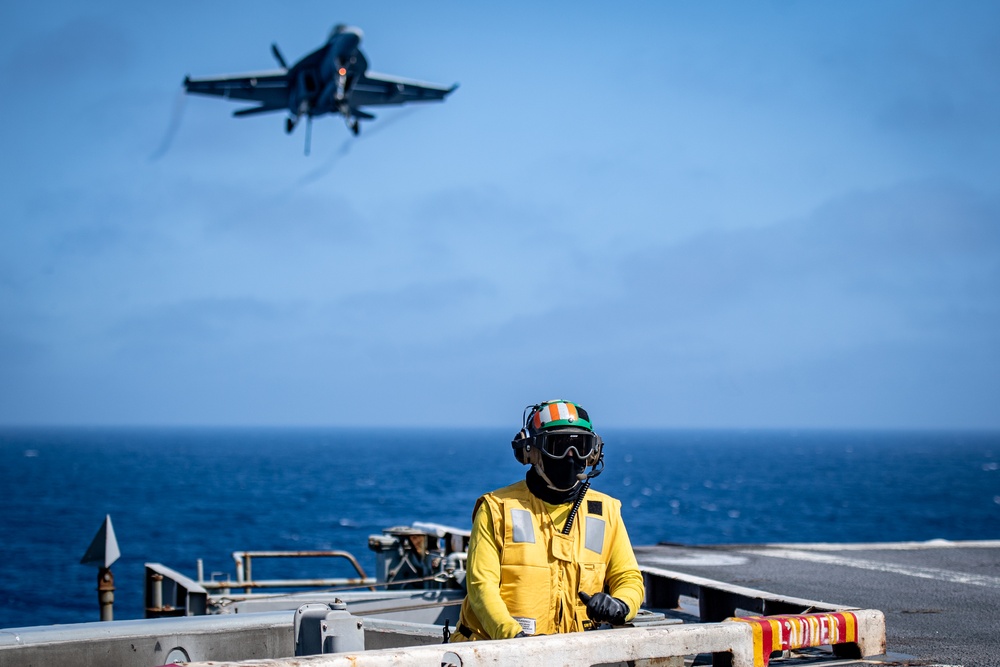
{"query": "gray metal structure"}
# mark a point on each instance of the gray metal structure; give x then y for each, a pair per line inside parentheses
(939, 600)
(417, 596)
(363, 622)
(332, 79)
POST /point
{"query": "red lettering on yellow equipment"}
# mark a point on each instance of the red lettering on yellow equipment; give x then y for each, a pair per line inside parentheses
(783, 633)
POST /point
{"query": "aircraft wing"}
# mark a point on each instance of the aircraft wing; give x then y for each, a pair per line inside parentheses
(379, 89)
(270, 89)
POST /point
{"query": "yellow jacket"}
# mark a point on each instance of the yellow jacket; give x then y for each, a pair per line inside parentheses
(525, 575)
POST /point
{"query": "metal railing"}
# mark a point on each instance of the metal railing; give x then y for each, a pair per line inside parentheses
(245, 580)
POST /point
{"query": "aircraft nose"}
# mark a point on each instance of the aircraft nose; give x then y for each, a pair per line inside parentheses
(343, 44)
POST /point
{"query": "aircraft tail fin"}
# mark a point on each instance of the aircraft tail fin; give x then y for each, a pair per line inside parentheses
(276, 52)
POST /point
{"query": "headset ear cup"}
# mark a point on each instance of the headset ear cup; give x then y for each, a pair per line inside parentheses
(519, 443)
(598, 452)
(596, 455)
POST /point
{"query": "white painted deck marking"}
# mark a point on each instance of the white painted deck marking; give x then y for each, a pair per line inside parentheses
(863, 564)
(887, 546)
(698, 559)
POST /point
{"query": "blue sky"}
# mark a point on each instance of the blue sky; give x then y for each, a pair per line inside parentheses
(731, 215)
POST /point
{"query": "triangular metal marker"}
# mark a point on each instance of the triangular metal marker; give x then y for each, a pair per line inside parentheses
(103, 550)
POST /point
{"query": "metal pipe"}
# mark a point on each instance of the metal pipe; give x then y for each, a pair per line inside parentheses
(106, 593)
(244, 574)
(643, 646)
(239, 566)
(157, 580)
(201, 571)
(301, 583)
(237, 555)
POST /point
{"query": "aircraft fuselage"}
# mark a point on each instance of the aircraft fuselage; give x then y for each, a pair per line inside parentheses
(323, 78)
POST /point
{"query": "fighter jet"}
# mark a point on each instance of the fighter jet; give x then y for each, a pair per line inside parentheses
(332, 79)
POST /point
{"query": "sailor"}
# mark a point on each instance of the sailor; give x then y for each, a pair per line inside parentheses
(549, 554)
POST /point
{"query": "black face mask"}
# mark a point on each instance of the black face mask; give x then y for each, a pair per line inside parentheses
(563, 473)
(567, 471)
(542, 491)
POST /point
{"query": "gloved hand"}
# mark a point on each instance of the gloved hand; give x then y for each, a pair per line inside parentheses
(601, 607)
(520, 634)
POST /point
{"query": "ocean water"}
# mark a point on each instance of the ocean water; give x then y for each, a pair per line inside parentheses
(176, 495)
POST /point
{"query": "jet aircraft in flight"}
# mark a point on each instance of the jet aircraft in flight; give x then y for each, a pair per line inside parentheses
(332, 79)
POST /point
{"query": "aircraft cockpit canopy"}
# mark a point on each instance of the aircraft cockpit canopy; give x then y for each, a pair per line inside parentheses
(342, 28)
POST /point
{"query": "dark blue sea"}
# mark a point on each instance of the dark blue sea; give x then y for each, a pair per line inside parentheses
(176, 495)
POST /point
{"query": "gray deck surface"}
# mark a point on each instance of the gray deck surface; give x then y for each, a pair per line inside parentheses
(941, 599)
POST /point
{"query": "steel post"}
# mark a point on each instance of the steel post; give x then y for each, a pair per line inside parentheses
(157, 601)
(106, 593)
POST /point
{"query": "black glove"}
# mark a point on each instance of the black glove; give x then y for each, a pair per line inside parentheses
(601, 607)
(520, 634)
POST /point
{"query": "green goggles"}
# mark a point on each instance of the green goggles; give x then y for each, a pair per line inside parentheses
(560, 445)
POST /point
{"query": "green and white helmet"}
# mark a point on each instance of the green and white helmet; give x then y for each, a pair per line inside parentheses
(552, 430)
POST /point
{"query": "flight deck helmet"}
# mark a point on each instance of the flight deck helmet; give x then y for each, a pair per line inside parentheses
(553, 430)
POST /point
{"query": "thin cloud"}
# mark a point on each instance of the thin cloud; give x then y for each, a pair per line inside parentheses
(70, 54)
